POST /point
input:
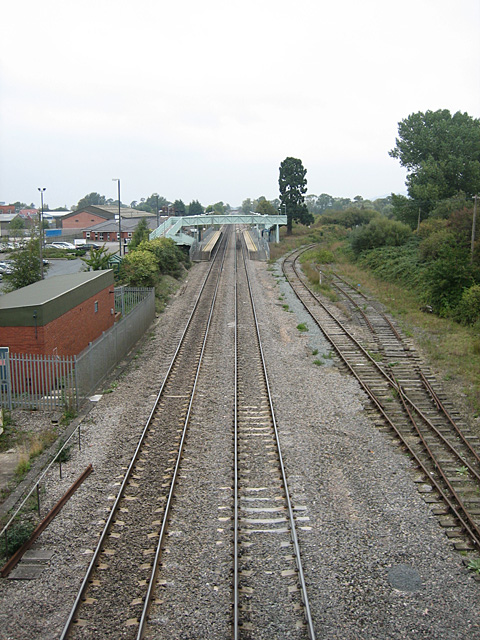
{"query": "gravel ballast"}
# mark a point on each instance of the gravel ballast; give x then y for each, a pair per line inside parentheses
(377, 563)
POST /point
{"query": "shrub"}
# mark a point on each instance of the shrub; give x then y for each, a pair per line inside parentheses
(380, 232)
(429, 226)
(17, 535)
(350, 217)
(395, 264)
(433, 245)
(324, 256)
(468, 309)
(446, 278)
(140, 268)
(168, 255)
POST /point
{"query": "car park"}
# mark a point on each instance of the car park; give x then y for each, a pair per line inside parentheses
(88, 246)
(5, 267)
(63, 245)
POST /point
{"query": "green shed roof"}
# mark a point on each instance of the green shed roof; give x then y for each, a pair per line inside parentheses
(44, 301)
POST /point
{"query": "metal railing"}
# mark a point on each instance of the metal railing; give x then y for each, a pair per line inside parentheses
(38, 382)
(99, 359)
(127, 298)
(29, 381)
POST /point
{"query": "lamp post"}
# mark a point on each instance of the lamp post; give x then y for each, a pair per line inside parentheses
(117, 180)
(41, 189)
(156, 211)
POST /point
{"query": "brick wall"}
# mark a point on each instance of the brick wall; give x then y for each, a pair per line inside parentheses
(81, 220)
(67, 335)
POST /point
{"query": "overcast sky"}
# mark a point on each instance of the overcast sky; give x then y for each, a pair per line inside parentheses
(203, 100)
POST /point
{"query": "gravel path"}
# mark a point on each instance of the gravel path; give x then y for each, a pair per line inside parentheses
(377, 563)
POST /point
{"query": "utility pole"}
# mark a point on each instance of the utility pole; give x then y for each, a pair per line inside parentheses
(156, 211)
(117, 180)
(40, 241)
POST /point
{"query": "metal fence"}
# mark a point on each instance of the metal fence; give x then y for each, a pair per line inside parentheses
(98, 360)
(32, 381)
(47, 382)
(127, 298)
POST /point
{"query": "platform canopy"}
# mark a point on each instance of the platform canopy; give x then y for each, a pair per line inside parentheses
(172, 227)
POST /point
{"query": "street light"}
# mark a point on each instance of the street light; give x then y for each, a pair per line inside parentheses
(41, 189)
(158, 220)
(117, 180)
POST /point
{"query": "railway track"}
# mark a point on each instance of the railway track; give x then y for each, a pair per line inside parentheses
(116, 590)
(270, 595)
(206, 484)
(404, 394)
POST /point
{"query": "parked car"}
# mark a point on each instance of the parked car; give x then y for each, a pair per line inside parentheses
(62, 245)
(5, 267)
(88, 246)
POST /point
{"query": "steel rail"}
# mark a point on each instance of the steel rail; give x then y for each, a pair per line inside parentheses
(293, 531)
(235, 457)
(442, 408)
(469, 526)
(436, 400)
(393, 382)
(471, 523)
(134, 458)
(173, 482)
(395, 385)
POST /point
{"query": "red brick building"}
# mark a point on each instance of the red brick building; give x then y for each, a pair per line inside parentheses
(58, 316)
(95, 214)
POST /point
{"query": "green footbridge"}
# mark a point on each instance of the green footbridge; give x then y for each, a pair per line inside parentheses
(175, 226)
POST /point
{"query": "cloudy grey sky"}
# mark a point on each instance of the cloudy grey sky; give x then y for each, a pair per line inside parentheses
(203, 100)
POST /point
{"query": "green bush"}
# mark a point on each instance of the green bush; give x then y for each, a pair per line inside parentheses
(140, 268)
(168, 255)
(379, 232)
(468, 309)
(324, 256)
(396, 264)
(350, 217)
(17, 535)
(446, 278)
(433, 245)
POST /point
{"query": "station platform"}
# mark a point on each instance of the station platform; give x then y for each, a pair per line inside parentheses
(205, 252)
(255, 252)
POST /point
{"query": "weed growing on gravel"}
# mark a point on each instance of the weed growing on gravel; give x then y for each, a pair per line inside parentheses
(285, 306)
(6, 417)
(302, 327)
(328, 356)
(462, 471)
(474, 565)
(327, 291)
(64, 454)
(17, 535)
(23, 467)
(314, 352)
(319, 363)
(68, 415)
